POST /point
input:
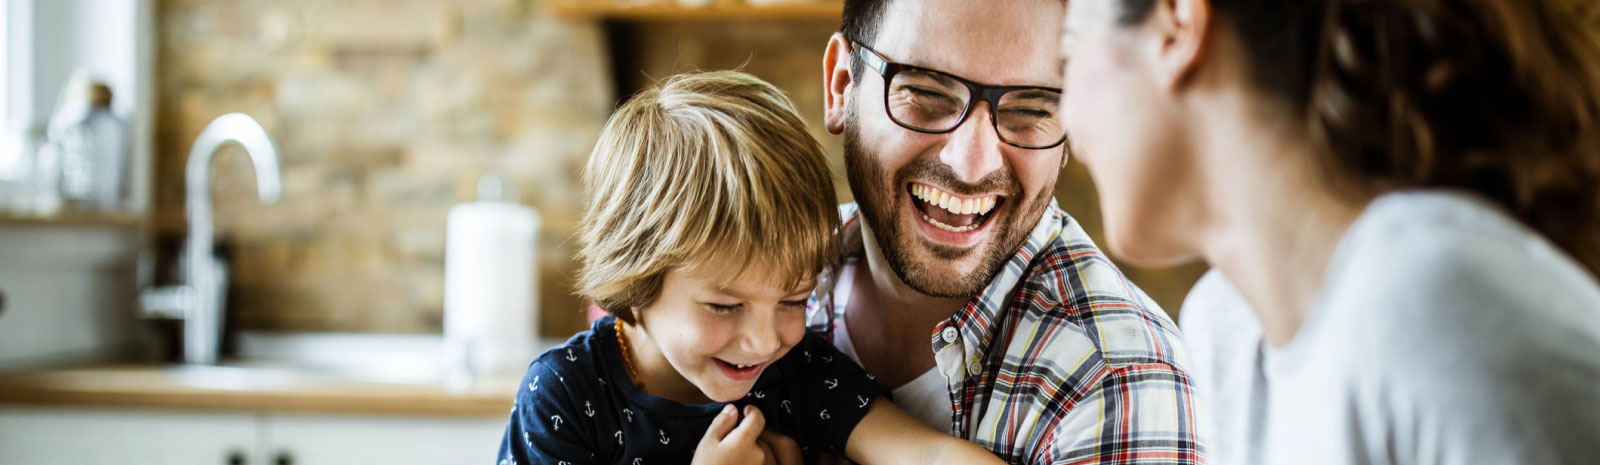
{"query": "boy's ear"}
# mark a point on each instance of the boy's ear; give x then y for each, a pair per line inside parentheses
(836, 82)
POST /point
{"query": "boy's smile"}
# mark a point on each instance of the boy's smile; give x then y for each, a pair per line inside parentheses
(707, 338)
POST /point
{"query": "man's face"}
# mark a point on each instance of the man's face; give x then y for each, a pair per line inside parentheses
(918, 192)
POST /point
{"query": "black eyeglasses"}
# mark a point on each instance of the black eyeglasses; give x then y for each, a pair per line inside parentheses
(936, 102)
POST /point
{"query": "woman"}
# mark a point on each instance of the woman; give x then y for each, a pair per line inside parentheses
(1406, 194)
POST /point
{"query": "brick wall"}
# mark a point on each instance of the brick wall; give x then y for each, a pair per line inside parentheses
(385, 113)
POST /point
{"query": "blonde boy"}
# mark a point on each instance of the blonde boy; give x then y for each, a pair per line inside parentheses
(710, 213)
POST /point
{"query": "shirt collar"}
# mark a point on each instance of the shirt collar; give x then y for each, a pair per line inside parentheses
(975, 321)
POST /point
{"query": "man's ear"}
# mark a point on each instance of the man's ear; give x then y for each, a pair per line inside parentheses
(836, 82)
(1182, 27)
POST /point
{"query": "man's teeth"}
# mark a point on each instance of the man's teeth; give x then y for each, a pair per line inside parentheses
(947, 227)
(953, 204)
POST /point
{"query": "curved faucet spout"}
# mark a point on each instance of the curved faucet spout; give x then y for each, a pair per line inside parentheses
(240, 128)
(204, 274)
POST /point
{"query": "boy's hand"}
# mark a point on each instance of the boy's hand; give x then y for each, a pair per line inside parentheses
(783, 450)
(729, 444)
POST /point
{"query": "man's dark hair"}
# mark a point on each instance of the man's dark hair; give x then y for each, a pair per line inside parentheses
(860, 24)
(861, 19)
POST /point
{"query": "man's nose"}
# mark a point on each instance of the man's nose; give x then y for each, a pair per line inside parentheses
(973, 149)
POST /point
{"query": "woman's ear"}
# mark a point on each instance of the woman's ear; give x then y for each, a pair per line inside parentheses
(836, 82)
(1182, 27)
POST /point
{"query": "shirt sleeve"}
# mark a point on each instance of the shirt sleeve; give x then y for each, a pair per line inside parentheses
(836, 390)
(541, 429)
(1142, 413)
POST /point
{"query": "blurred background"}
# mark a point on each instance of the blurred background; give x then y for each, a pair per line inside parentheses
(407, 138)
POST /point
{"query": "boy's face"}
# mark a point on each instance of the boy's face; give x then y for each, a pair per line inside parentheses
(718, 334)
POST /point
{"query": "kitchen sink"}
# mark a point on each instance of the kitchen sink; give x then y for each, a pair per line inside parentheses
(267, 359)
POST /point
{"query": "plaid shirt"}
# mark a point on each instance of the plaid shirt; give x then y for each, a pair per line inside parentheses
(1059, 360)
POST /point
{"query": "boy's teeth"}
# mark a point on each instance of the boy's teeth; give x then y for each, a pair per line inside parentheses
(953, 204)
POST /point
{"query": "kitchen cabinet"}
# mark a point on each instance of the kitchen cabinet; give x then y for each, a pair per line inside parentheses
(103, 435)
(317, 439)
(95, 436)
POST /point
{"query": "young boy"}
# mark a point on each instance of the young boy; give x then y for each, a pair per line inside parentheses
(710, 213)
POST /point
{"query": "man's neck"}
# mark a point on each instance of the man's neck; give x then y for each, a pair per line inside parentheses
(891, 323)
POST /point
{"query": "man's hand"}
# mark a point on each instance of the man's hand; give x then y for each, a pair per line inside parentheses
(730, 441)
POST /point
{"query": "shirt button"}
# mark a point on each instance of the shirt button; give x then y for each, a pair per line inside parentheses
(949, 334)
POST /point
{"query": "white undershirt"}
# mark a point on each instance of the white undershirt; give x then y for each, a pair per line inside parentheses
(927, 397)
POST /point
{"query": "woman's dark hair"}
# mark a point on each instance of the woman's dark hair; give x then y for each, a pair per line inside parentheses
(1496, 97)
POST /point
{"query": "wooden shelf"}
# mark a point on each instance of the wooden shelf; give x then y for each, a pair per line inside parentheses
(118, 220)
(808, 10)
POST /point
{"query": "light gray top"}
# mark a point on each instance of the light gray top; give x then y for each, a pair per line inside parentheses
(1445, 333)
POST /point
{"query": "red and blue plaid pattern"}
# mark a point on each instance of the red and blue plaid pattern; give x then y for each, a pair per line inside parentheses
(1060, 360)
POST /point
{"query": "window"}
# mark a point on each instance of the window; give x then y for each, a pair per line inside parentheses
(5, 68)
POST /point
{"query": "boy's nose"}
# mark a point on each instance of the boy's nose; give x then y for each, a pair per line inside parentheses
(761, 335)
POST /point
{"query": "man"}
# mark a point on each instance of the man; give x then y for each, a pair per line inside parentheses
(1042, 351)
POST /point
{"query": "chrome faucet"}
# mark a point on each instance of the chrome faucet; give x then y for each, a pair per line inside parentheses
(199, 300)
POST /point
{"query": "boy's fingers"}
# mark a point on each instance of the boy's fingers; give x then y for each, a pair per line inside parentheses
(722, 424)
(784, 450)
(750, 428)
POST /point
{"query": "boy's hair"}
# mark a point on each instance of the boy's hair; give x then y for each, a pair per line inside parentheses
(705, 169)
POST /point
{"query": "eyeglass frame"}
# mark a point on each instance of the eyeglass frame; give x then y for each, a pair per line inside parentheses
(983, 93)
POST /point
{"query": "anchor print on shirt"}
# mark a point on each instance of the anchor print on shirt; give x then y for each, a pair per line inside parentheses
(756, 394)
(806, 353)
(629, 413)
(664, 439)
(555, 422)
(619, 437)
(827, 359)
(831, 383)
(588, 410)
(534, 386)
(638, 461)
(863, 401)
(785, 405)
(825, 415)
(570, 357)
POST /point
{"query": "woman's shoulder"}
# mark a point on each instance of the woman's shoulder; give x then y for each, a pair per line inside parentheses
(1443, 245)
(1432, 275)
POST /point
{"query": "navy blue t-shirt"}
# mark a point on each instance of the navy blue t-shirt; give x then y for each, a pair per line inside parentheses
(577, 405)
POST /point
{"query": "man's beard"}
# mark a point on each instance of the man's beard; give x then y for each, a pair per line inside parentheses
(881, 204)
